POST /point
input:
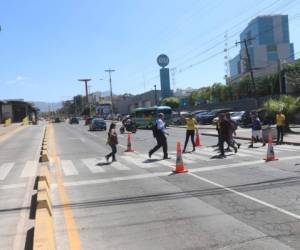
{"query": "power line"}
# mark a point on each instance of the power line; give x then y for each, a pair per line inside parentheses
(220, 52)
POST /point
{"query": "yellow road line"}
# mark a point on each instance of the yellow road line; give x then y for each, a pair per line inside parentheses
(74, 239)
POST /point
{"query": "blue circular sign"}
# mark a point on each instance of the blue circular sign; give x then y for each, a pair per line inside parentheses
(163, 60)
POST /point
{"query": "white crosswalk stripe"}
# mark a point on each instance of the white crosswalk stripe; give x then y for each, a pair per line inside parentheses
(139, 161)
(30, 169)
(173, 153)
(68, 168)
(196, 156)
(119, 166)
(91, 163)
(286, 149)
(5, 169)
(128, 161)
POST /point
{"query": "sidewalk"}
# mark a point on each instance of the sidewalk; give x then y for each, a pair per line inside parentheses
(5, 130)
(245, 134)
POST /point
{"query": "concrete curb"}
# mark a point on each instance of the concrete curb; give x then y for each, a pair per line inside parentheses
(43, 228)
(248, 139)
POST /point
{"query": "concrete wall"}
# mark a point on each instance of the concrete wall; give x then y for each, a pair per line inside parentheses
(243, 104)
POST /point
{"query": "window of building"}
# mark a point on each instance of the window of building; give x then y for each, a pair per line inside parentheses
(272, 48)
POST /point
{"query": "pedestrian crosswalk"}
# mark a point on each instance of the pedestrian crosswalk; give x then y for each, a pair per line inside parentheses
(131, 161)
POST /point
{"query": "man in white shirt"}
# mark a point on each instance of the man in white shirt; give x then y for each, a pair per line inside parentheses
(160, 135)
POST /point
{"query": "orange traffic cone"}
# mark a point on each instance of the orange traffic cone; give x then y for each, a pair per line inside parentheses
(270, 150)
(129, 148)
(179, 162)
(197, 141)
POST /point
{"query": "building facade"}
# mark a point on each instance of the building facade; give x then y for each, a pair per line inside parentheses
(268, 42)
(17, 110)
(127, 104)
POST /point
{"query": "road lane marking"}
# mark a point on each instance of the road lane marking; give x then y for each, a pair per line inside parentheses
(281, 210)
(68, 167)
(91, 163)
(170, 165)
(119, 166)
(113, 179)
(73, 234)
(13, 186)
(30, 169)
(251, 152)
(135, 160)
(5, 169)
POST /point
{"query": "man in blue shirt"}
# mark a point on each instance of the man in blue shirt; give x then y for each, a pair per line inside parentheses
(160, 135)
(256, 130)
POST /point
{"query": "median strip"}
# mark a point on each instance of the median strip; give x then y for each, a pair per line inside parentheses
(43, 228)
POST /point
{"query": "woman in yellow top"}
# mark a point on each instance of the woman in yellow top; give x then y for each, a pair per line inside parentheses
(190, 131)
(280, 123)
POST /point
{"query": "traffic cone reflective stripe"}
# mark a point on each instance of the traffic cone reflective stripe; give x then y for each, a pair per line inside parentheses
(179, 162)
(197, 141)
(270, 150)
(129, 148)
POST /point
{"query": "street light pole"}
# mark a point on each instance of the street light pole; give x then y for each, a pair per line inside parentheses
(110, 84)
(86, 92)
(155, 96)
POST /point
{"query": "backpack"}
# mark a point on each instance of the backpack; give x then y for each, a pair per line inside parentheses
(154, 129)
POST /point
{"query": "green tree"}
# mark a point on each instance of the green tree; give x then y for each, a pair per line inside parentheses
(293, 75)
(172, 102)
(204, 93)
(289, 105)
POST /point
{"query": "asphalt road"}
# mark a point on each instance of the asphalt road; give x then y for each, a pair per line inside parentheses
(18, 166)
(239, 202)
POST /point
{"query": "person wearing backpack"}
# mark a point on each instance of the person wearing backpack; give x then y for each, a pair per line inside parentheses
(112, 141)
(159, 132)
(233, 129)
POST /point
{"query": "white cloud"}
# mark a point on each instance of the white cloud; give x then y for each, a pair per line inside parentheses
(19, 80)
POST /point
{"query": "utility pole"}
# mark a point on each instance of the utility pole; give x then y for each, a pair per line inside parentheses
(86, 92)
(111, 94)
(155, 96)
(280, 77)
(253, 89)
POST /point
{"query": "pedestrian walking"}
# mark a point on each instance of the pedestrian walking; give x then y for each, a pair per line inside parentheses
(256, 130)
(112, 141)
(218, 130)
(232, 131)
(225, 131)
(280, 124)
(191, 124)
(159, 132)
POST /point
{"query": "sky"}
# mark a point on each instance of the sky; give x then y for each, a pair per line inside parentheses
(46, 46)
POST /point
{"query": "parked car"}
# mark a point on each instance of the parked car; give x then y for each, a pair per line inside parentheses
(246, 117)
(97, 124)
(208, 118)
(74, 120)
(179, 118)
(196, 112)
(199, 115)
(237, 116)
(88, 120)
(57, 120)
